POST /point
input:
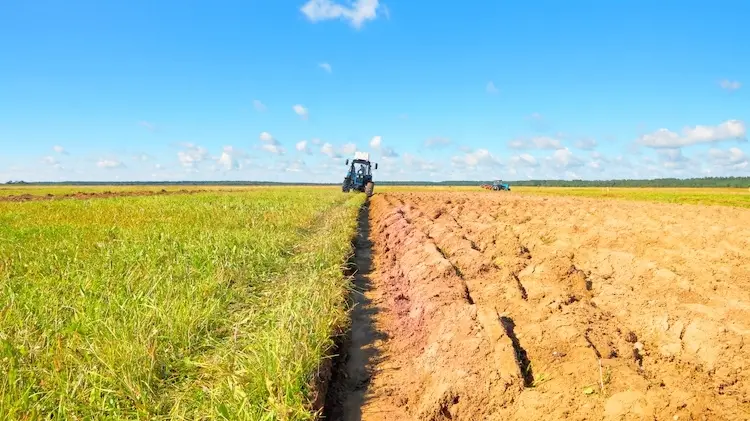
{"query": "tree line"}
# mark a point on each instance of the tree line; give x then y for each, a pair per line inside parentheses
(738, 182)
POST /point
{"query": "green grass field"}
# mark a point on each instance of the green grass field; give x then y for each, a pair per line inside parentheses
(204, 306)
(692, 196)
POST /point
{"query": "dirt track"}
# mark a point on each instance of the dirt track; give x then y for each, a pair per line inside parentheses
(494, 306)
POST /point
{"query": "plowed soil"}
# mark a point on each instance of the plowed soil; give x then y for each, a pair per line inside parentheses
(495, 306)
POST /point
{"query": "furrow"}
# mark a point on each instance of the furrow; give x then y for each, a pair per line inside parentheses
(510, 307)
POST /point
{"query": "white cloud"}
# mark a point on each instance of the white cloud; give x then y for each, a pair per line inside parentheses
(663, 138)
(673, 159)
(564, 158)
(301, 146)
(524, 159)
(541, 142)
(733, 158)
(730, 85)
(301, 111)
(147, 125)
(349, 149)
(674, 165)
(727, 130)
(410, 159)
(435, 142)
(596, 165)
(230, 158)
(359, 12)
(478, 158)
(388, 153)
(326, 67)
(192, 155)
(672, 154)
(273, 148)
(315, 141)
(142, 157)
(586, 144)
(50, 160)
(109, 163)
(59, 149)
(267, 138)
(491, 88)
(417, 164)
(620, 161)
(327, 149)
(597, 161)
(545, 142)
(226, 161)
(377, 143)
(333, 152)
(295, 166)
(259, 106)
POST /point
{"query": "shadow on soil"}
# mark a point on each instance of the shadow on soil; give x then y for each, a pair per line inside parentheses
(521, 357)
(348, 387)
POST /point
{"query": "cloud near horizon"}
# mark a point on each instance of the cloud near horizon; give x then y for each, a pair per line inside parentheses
(476, 164)
(664, 138)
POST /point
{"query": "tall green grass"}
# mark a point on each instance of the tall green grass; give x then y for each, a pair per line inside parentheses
(205, 306)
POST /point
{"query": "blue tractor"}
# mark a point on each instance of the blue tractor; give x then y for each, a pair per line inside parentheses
(359, 177)
(499, 185)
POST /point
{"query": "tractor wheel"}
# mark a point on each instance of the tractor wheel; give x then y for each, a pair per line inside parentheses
(345, 186)
(369, 188)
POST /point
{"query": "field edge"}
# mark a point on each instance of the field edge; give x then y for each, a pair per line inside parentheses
(333, 363)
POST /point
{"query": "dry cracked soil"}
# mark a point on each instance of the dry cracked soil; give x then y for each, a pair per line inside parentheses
(497, 306)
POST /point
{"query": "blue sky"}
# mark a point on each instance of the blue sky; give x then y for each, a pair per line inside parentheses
(287, 90)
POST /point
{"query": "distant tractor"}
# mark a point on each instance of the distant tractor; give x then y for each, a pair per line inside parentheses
(497, 185)
(359, 177)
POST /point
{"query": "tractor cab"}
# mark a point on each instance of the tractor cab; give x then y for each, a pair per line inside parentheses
(360, 169)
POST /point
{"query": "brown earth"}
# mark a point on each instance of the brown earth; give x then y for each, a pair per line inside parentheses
(495, 306)
(99, 195)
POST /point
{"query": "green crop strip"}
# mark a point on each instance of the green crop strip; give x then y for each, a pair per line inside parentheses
(205, 306)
